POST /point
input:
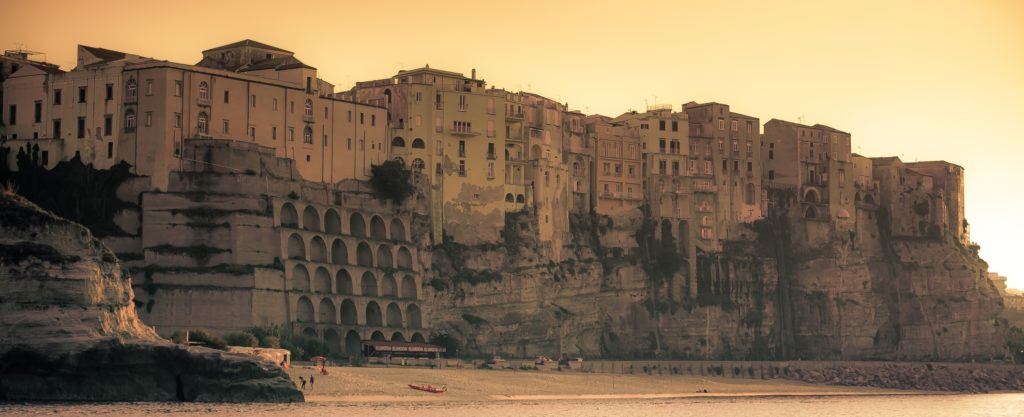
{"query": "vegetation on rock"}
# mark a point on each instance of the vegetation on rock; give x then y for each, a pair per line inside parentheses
(392, 181)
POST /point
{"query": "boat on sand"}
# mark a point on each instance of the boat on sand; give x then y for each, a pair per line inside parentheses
(429, 388)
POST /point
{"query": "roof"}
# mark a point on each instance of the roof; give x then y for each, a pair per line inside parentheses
(281, 63)
(106, 55)
(434, 70)
(885, 160)
(384, 346)
(734, 114)
(247, 42)
(49, 69)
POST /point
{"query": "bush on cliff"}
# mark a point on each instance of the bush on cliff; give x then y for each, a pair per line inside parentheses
(449, 343)
(392, 180)
(1015, 344)
(241, 339)
(201, 337)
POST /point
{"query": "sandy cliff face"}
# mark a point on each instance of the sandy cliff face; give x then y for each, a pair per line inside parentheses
(69, 331)
(794, 289)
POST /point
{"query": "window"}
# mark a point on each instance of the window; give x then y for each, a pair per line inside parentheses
(750, 167)
(252, 132)
(81, 94)
(177, 88)
(373, 120)
(362, 120)
(204, 92)
(309, 109)
(490, 170)
(490, 151)
(227, 96)
(307, 135)
(721, 123)
(661, 125)
(204, 123)
(750, 128)
(273, 106)
(842, 178)
(177, 120)
(56, 96)
(252, 100)
(462, 168)
(109, 92)
(462, 103)
(661, 146)
(734, 125)
(291, 133)
(225, 126)
(56, 128)
(129, 121)
(273, 133)
(110, 150)
(735, 166)
(462, 148)
(771, 151)
(149, 87)
(149, 119)
(607, 169)
(108, 125)
(490, 128)
(81, 128)
(12, 115)
(662, 167)
(771, 174)
(37, 114)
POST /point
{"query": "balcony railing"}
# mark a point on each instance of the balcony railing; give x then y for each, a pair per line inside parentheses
(308, 118)
(203, 101)
(131, 99)
(491, 157)
(464, 132)
(515, 116)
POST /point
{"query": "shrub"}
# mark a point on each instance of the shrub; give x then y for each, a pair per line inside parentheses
(201, 337)
(392, 181)
(445, 340)
(241, 339)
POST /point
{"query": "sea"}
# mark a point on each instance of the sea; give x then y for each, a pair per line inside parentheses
(959, 405)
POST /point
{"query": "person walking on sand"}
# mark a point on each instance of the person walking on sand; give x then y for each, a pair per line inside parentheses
(303, 380)
(311, 382)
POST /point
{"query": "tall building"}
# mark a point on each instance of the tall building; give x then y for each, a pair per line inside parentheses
(447, 124)
(618, 166)
(814, 162)
(664, 144)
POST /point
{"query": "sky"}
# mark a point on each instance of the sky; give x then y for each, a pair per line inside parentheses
(922, 80)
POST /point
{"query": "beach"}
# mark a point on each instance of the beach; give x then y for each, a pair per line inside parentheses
(379, 384)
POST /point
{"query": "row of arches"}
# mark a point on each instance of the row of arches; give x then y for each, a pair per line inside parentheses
(373, 316)
(352, 343)
(417, 143)
(386, 256)
(332, 223)
(342, 283)
(518, 198)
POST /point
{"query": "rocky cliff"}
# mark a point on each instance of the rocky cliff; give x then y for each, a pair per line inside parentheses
(783, 288)
(69, 331)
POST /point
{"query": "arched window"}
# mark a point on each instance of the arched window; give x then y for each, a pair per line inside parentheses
(418, 165)
(129, 120)
(289, 216)
(576, 168)
(394, 315)
(311, 219)
(327, 313)
(811, 196)
(398, 142)
(384, 259)
(418, 144)
(349, 316)
(307, 135)
(300, 278)
(343, 283)
(373, 316)
(204, 123)
(309, 109)
(332, 222)
(389, 287)
(364, 256)
(404, 258)
(296, 247)
(400, 160)
(356, 225)
(811, 213)
(368, 285)
(413, 314)
(339, 252)
(132, 89)
(204, 91)
(304, 310)
(397, 229)
(322, 281)
(377, 228)
(509, 198)
(317, 250)
(408, 288)
(520, 198)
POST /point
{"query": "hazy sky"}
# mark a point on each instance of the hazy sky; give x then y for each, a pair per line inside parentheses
(921, 80)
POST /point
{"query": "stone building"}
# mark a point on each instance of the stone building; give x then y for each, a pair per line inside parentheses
(446, 125)
(618, 160)
(923, 199)
(814, 162)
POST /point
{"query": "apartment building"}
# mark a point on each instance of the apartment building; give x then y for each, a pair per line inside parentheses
(664, 141)
(814, 162)
(618, 160)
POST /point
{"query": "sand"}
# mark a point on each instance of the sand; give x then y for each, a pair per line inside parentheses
(375, 384)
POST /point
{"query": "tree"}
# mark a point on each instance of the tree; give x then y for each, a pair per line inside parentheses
(392, 181)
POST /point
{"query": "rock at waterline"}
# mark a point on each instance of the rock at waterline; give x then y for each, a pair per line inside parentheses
(69, 331)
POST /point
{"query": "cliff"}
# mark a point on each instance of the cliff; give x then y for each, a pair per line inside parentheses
(69, 331)
(784, 288)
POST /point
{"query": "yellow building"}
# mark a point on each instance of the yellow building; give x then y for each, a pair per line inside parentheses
(814, 162)
(664, 141)
(619, 164)
(447, 125)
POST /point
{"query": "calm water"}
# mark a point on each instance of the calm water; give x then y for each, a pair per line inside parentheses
(991, 405)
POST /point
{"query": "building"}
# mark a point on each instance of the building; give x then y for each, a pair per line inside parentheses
(924, 199)
(814, 162)
(446, 125)
(618, 159)
(664, 141)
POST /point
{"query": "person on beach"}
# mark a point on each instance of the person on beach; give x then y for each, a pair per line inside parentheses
(311, 382)
(303, 380)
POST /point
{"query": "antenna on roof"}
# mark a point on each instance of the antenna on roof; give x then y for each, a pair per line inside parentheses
(800, 119)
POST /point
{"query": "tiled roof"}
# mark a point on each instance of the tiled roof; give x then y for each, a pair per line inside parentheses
(248, 42)
(106, 55)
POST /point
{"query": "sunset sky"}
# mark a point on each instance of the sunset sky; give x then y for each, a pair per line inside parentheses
(919, 80)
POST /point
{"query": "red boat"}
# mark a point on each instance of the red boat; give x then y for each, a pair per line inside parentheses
(429, 388)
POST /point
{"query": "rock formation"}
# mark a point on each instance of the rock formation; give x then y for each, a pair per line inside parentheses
(69, 331)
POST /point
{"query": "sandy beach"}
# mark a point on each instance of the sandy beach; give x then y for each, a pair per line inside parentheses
(373, 384)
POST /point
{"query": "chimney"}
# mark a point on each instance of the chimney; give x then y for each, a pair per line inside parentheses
(474, 74)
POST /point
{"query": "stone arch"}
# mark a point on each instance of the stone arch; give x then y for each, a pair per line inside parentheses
(666, 232)
(311, 219)
(332, 340)
(356, 225)
(415, 316)
(417, 338)
(327, 314)
(368, 285)
(332, 222)
(349, 314)
(378, 336)
(509, 198)
(398, 142)
(811, 213)
(409, 288)
(418, 144)
(353, 343)
(300, 278)
(289, 216)
(317, 250)
(397, 229)
(811, 196)
(304, 310)
(373, 315)
(384, 258)
(296, 247)
(310, 332)
(339, 252)
(343, 282)
(397, 337)
(377, 228)
(322, 281)
(400, 160)
(535, 152)
(394, 315)
(404, 258)
(364, 255)
(388, 286)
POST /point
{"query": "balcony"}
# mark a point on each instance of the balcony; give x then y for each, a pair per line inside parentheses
(308, 118)
(203, 101)
(439, 105)
(704, 187)
(491, 157)
(463, 132)
(515, 116)
(131, 99)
